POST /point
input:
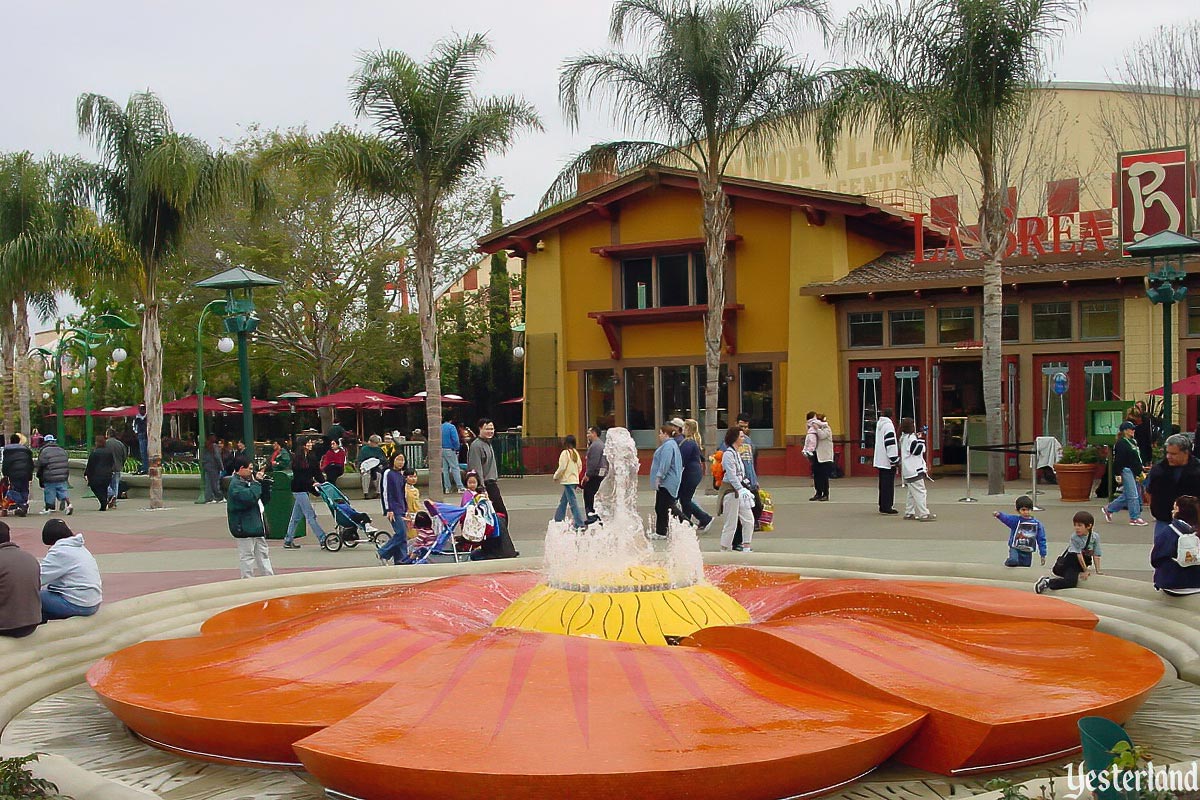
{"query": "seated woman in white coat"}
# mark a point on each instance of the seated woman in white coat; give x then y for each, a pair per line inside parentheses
(71, 585)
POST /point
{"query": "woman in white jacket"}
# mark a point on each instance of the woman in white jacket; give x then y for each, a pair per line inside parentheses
(71, 584)
(570, 465)
(738, 504)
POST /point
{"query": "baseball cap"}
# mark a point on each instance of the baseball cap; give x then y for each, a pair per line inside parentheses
(1128, 426)
(49, 439)
(677, 422)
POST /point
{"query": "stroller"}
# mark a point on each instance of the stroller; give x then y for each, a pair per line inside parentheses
(352, 526)
(474, 522)
(10, 500)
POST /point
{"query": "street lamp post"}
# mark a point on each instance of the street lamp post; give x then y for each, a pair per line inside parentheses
(1166, 251)
(85, 343)
(240, 320)
(215, 307)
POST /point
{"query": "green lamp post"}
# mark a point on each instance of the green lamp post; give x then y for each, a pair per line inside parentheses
(1166, 250)
(215, 307)
(84, 342)
(240, 320)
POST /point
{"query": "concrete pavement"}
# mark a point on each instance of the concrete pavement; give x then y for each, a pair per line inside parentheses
(142, 551)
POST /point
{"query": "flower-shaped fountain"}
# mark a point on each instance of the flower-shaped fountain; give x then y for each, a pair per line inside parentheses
(515, 685)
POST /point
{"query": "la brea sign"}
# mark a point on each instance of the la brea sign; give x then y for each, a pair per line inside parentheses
(1024, 236)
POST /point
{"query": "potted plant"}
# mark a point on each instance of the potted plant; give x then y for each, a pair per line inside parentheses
(1076, 471)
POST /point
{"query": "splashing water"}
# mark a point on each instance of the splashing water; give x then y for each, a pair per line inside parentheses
(615, 555)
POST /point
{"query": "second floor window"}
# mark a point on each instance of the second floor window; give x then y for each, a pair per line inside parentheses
(664, 281)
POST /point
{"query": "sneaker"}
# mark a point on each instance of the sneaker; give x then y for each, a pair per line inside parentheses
(888, 511)
(704, 528)
(46, 511)
(290, 546)
(824, 498)
(745, 549)
(927, 518)
(1041, 585)
(1140, 523)
(910, 516)
(1107, 514)
(814, 498)
(70, 509)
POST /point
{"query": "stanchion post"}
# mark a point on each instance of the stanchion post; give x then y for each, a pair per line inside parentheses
(1034, 470)
(968, 498)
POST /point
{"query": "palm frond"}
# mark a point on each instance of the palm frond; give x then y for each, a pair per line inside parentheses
(613, 158)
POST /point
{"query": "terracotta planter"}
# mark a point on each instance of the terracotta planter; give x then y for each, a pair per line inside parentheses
(1075, 481)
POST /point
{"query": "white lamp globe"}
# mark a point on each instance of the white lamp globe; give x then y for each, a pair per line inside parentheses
(518, 352)
(45, 395)
(74, 390)
(48, 375)
(225, 344)
(120, 355)
(406, 362)
(91, 362)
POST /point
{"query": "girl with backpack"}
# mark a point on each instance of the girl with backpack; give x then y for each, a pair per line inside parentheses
(570, 467)
(1176, 553)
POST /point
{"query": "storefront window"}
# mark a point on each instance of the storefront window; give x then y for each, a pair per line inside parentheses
(636, 276)
(757, 383)
(700, 279)
(1056, 409)
(676, 386)
(1099, 375)
(639, 405)
(1051, 321)
(1100, 319)
(866, 329)
(722, 397)
(956, 325)
(1010, 323)
(908, 327)
(908, 394)
(600, 399)
(868, 404)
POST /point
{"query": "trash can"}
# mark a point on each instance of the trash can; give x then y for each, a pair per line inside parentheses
(1099, 736)
(279, 508)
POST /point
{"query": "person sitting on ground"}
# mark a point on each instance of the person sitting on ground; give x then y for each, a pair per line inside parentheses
(1176, 559)
(1083, 551)
(1025, 534)
(71, 585)
(20, 605)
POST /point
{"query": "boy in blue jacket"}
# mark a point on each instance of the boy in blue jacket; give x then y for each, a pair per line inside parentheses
(1025, 534)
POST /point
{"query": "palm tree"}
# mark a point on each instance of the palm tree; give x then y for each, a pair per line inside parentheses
(152, 186)
(27, 215)
(433, 133)
(716, 78)
(953, 77)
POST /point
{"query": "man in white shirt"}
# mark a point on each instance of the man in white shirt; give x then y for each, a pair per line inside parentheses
(887, 456)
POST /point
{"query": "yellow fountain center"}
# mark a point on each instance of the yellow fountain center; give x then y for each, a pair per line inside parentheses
(636, 606)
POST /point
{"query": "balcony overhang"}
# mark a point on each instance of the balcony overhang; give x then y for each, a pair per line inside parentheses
(612, 322)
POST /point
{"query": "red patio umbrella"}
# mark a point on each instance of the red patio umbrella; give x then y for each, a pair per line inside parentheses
(356, 398)
(516, 401)
(187, 405)
(447, 399)
(256, 406)
(1187, 386)
(117, 411)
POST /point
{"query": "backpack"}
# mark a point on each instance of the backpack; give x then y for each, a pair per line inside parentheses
(1187, 549)
(718, 470)
(1025, 537)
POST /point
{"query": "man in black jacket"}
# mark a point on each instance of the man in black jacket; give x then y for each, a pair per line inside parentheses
(18, 468)
(1176, 475)
(53, 471)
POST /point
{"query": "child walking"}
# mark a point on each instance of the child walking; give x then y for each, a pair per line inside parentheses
(914, 472)
(1083, 551)
(1025, 534)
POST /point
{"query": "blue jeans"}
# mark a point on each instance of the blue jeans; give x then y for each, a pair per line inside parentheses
(1018, 558)
(396, 547)
(55, 606)
(18, 492)
(1130, 497)
(690, 508)
(302, 509)
(144, 452)
(568, 498)
(114, 488)
(451, 475)
(54, 491)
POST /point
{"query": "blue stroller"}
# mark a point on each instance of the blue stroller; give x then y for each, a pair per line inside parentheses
(474, 522)
(352, 526)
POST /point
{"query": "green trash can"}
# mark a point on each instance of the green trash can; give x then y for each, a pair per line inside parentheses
(1099, 736)
(279, 508)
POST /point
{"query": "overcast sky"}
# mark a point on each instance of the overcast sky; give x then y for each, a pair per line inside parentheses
(221, 66)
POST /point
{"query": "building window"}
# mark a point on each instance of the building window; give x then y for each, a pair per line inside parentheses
(722, 397)
(1010, 323)
(600, 400)
(1100, 319)
(666, 281)
(866, 329)
(1193, 315)
(908, 327)
(676, 392)
(757, 383)
(1051, 321)
(956, 325)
